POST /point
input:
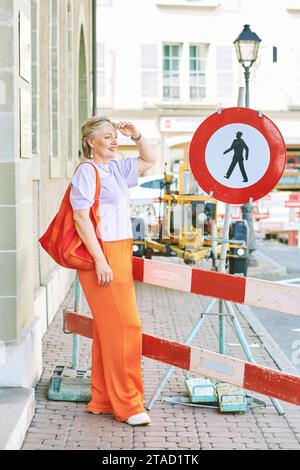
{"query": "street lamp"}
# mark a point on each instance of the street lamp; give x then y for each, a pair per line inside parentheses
(246, 46)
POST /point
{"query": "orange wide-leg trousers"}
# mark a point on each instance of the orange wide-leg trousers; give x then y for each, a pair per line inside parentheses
(116, 376)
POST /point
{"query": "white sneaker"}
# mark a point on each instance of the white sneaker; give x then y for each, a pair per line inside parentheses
(139, 419)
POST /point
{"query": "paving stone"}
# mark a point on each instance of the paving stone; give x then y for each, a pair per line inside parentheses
(288, 446)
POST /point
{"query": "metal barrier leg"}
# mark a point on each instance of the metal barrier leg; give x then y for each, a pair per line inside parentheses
(222, 269)
(221, 328)
(170, 370)
(247, 350)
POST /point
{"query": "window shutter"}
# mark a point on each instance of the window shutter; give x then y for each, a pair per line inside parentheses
(100, 69)
(297, 75)
(224, 71)
(149, 70)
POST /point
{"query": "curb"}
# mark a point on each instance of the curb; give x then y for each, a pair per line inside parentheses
(17, 407)
(270, 345)
(269, 269)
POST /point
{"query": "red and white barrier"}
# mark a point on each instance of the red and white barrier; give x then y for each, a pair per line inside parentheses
(250, 376)
(270, 295)
(243, 290)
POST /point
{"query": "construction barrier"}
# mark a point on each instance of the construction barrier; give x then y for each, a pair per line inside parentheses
(242, 290)
(210, 364)
(253, 292)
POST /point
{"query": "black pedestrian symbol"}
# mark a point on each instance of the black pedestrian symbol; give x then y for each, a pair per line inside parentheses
(238, 146)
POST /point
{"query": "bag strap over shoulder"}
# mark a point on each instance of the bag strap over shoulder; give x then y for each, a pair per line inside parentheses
(94, 210)
(97, 191)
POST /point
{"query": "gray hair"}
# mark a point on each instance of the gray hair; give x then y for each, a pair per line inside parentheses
(89, 129)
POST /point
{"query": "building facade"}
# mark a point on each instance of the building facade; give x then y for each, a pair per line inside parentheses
(168, 64)
(45, 93)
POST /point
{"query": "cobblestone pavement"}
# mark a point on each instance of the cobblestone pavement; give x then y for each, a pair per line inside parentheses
(170, 314)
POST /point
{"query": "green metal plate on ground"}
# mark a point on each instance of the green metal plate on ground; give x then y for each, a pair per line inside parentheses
(231, 398)
(181, 400)
(201, 390)
(70, 385)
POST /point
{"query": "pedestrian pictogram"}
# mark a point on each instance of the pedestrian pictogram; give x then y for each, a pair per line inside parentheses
(238, 146)
(237, 155)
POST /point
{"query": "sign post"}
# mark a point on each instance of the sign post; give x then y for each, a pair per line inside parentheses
(237, 156)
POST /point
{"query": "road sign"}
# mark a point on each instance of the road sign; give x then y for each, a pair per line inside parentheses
(237, 155)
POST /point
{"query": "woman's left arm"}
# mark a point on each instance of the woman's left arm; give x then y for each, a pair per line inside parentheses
(147, 157)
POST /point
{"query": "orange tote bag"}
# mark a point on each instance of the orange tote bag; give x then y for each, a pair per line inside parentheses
(61, 240)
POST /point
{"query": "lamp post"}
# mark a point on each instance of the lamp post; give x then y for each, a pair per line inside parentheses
(246, 46)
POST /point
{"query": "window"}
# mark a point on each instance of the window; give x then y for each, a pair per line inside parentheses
(198, 55)
(184, 72)
(171, 71)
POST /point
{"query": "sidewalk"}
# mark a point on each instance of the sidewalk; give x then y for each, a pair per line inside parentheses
(170, 314)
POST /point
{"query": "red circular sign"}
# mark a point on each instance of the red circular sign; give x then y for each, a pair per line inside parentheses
(237, 155)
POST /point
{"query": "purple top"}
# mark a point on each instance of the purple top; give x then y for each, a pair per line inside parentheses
(114, 204)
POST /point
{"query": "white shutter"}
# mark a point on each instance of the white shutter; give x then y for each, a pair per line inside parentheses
(101, 76)
(224, 71)
(296, 75)
(149, 70)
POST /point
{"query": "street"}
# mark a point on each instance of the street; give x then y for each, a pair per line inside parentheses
(284, 329)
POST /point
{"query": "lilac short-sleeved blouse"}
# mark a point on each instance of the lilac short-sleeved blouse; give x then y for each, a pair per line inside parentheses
(114, 207)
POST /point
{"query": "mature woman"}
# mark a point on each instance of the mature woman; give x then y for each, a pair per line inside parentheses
(117, 385)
